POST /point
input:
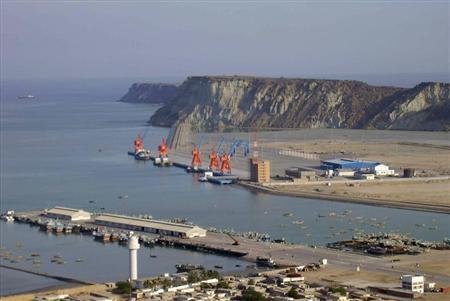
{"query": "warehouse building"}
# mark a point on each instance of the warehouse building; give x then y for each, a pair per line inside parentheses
(69, 214)
(347, 164)
(299, 174)
(259, 170)
(150, 226)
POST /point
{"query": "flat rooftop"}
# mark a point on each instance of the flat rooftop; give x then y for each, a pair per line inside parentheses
(147, 223)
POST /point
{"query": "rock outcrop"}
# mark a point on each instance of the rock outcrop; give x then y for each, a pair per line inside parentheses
(220, 103)
(424, 107)
(150, 93)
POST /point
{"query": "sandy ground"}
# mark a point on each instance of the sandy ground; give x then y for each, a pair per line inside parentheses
(413, 193)
(432, 158)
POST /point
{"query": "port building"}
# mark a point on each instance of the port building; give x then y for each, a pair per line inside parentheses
(68, 214)
(150, 226)
(414, 283)
(347, 164)
(259, 170)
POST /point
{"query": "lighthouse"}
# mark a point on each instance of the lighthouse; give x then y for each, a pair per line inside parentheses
(133, 246)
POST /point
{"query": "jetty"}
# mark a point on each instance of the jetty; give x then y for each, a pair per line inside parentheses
(60, 278)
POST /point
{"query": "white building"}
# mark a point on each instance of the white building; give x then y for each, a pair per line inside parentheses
(69, 214)
(413, 283)
(150, 225)
(364, 176)
(382, 170)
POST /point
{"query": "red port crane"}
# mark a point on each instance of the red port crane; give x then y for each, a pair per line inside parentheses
(225, 166)
(213, 160)
(162, 148)
(196, 160)
(138, 145)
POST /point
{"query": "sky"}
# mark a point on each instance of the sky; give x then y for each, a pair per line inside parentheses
(151, 39)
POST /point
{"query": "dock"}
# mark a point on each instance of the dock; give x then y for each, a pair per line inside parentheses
(249, 249)
(59, 278)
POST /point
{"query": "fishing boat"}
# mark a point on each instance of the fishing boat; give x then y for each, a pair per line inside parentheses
(49, 226)
(114, 236)
(68, 229)
(58, 228)
(265, 261)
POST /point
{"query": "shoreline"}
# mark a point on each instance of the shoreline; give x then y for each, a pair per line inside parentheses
(348, 199)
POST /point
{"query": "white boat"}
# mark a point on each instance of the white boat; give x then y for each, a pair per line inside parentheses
(205, 175)
(8, 216)
(29, 96)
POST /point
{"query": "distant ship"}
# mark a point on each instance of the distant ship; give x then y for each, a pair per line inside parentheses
(29, 96)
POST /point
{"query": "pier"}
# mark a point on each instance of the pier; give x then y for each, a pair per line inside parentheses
(59, 278)
(249, 249)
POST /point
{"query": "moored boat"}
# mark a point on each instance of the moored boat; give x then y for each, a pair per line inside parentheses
(265, 261)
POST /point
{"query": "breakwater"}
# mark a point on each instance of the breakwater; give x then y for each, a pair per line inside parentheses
(60, 278)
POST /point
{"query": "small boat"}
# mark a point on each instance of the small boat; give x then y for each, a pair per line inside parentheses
(218, 266)
(288, 214)
(29, 96)
(188, 267)
(114, 236)
(204, 177)
(299, 222)
(68, 229)
(8, 216)
(265, 261)
(58, 228)
(142, 155)
(79, 260)
(49, 226)
(152, 256)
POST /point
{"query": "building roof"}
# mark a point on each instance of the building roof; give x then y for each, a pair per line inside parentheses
(148, 223)
(66, 211)
(348, 163)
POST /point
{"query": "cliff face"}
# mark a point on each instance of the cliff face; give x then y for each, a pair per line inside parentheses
(424, 107)
(217, 103)
(150, 93)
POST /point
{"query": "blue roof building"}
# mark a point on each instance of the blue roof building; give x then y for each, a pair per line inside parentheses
(347, 164)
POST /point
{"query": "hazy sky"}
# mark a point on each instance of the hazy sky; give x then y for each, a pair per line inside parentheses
(86, 39)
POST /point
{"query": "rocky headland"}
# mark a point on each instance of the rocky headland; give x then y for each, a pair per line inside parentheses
(208, 103)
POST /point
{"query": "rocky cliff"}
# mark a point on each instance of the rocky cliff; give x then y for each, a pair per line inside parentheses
(424, 107)
(150, 93)
(219, 103)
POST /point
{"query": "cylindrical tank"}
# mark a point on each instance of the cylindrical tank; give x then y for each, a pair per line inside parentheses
(133, 246)
(409, 172)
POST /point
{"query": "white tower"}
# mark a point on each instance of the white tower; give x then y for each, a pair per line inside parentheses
(133, 246)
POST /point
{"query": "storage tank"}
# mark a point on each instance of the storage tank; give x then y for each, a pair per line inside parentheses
(409, 172)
